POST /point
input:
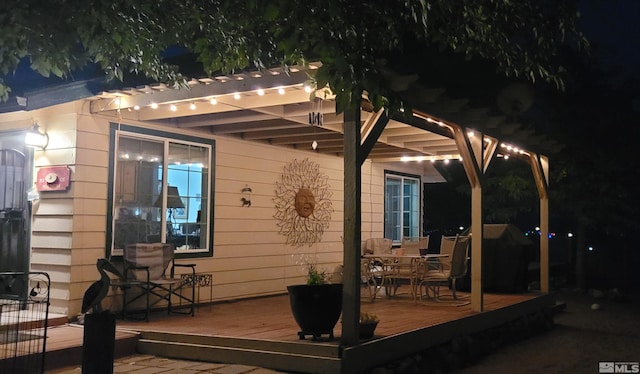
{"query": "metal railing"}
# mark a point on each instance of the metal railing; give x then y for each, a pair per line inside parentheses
(24, 316)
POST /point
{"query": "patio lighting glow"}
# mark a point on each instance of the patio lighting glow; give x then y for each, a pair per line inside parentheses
(136, 107)
(307, 89)
(35, 139)
(281, 91)
(154, 105)
(236, 96)
(173, 108)
(213, 101)
(192, 106)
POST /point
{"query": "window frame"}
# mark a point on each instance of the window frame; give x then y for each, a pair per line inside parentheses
(388, 174)
(114, 132)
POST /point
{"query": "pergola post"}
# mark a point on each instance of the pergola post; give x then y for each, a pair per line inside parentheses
(477, 230)
(352, 228)
(544, 245)
(540, 168)
(471, 148)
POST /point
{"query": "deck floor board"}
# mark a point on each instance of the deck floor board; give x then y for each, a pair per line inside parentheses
(271, 318)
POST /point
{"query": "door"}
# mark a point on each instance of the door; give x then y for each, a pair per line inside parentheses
(15, 178)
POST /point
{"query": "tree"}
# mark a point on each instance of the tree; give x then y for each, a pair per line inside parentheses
(356, 41)
(595, 174)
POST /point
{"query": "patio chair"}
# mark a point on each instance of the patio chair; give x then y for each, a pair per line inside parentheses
(374, 276)
(145, 270)
(446, 248)
(412, 246)
(378, 246)
(432, 280)
(404, 269)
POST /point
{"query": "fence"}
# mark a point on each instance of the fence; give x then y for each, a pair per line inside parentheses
(24, 313)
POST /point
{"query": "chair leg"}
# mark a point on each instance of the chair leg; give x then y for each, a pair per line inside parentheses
(193, 300)
(148, 291)
(453, 288)
(124, 303)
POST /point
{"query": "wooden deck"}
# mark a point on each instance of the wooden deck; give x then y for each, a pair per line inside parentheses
(270, 317)
(262, 332)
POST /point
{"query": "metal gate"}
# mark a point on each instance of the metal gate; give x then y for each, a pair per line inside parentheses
(24, 318)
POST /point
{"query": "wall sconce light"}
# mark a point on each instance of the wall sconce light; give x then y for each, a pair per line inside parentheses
(246, 196)
(36, 139)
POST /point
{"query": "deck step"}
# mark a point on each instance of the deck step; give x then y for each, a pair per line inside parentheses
(314, 357)
(72, 356)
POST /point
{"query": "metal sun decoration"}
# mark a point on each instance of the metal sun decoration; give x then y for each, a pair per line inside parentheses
(303, 203)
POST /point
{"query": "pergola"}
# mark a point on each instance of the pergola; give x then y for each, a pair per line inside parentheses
(274, 106)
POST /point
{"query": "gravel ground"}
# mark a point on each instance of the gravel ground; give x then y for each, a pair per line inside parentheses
(583, 336)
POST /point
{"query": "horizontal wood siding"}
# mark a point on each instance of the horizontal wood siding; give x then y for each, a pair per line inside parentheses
(68, 229)
(250, 256)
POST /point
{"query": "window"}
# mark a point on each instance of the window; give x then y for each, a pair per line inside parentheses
(401, 207)
(162, 184)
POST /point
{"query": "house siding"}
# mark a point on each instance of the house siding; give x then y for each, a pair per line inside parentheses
(250, 256)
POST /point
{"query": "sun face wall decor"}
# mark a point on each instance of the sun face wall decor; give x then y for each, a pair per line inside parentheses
(303, 203)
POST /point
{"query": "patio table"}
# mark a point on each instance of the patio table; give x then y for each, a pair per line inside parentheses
(394, 269)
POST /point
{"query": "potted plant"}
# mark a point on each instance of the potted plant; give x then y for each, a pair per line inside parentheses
(317, 304)
(368, 324)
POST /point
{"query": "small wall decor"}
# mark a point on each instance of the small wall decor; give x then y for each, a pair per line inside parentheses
(53, 178)
(303, 203)
(246, 196)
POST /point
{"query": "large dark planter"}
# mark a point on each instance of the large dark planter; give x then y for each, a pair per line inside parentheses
(316, 309)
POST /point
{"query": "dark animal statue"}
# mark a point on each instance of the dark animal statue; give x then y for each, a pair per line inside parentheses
(98, 290)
